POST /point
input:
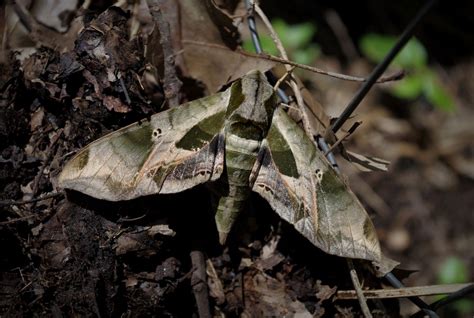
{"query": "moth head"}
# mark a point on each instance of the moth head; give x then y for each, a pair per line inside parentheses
(251, 106)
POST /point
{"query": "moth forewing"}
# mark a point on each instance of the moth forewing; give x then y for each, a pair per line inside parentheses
(154, 156)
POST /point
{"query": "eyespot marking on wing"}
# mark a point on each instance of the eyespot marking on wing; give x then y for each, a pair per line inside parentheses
(319, 175)
(266, 188)
(156, 133)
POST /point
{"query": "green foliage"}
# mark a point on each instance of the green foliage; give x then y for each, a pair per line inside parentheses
(296, 38)
(452, 271)
(421, 81)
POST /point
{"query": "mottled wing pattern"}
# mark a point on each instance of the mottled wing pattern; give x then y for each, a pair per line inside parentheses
(298, 183)
(173, 151)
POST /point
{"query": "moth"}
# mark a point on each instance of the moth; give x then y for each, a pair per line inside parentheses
(243, 139)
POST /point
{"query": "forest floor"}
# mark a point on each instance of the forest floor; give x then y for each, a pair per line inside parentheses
(74, 255)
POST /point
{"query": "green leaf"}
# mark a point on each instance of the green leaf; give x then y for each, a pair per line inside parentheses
(267, 45)
(247, 45)
(464, 306)
(376, 46)
(436, 93)
(409, 87)
(308, 55)
(294, 36)
(453, 271)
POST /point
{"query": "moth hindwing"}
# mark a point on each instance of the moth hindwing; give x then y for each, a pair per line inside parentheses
(242, 134)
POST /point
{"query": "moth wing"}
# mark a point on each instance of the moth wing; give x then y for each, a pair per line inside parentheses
(173, 151)
(299, 184)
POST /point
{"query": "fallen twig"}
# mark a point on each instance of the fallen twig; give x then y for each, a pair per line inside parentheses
(23, 218)
(358, 289)
(45, 197)
(283, 78)
(49, 152)
(449, 299)
(171, 83)
(125, 91)
(404, 292)
(199, 284)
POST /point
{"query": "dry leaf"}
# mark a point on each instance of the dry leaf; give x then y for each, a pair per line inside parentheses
(216, 290)
(266, 296)
(37, 119)
(115, 104)
(205, 43)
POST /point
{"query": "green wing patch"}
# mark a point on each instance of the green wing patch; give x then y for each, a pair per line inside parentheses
(281, 153)
(202, 132)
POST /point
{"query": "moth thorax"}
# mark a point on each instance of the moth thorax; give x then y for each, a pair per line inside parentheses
(252, 118)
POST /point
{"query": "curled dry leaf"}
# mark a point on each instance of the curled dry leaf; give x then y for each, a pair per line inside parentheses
(204, 40)
(324, 292)
(37, 119)
(141, 243)
(115, 104)
(366, 163)
(270, 257)
(266, 296)
(215, 285)
(162, 229)
(48, 23)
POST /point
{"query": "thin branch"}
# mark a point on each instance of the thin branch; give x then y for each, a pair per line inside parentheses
(405, 292)
(199, 284)
(339, 141)
(447, 300)
(282, 79)
(172, 84)
(45, 197)
(377, 72)
(125, 91)
(49, 152)
(390, 78)
(394, 77)
(358, 289)
(289, 68)
(427, 310)
(23, 218)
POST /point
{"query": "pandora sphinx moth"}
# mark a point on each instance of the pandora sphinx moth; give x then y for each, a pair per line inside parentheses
(239, 136)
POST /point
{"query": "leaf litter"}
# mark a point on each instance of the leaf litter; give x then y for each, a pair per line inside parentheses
(84, 258)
